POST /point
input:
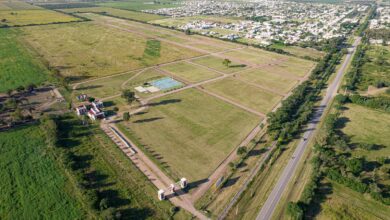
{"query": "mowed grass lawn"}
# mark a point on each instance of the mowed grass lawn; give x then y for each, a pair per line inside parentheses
(17, 66)
(369, 126)
(190, 72)
(245, 94)
(190, 132)
(217, 63)
(85, 50)
(268, 79)
(344, 203)
(32, 185)
(126, 14)
(28, 17)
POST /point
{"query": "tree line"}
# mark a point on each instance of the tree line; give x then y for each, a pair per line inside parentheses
(286, 122)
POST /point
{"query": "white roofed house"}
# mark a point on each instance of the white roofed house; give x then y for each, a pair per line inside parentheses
(81, 110)
(95, 113)
(97, 104)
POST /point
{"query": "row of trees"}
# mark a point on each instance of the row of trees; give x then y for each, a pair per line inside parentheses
(353, 76)
(380, 103)
(296, 110)
(53, 129)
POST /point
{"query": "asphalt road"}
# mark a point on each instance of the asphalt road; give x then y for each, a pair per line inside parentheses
(273, 199)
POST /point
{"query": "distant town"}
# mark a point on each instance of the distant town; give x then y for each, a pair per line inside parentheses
(267, 21)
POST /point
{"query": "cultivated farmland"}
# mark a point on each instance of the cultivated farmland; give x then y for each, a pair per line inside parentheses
(32, 185)
(18, 67)
(125, 14)
(20, 14)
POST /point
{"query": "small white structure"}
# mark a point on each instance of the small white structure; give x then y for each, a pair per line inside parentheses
(140, 89)
(183, 183)
(152, 89)
(81, 110)
(161, 194)
(172, 188)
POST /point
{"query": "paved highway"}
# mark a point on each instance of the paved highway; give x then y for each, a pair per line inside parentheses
(273, 199)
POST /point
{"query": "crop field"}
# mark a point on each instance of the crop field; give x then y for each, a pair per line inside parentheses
(368, 126)
(18, 67)
(376, 68)
(190, 132)
(190, 72)
(344, 203)
(16, 5)
(139, 5)
(126, 14)
(89, 50)
(32, 185)
(245, 94)
(19, 14)
(268, 79)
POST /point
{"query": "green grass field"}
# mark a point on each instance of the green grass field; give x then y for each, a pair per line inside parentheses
(368, 126)
(268, 79)
(126, 14)
(190, 72)
(87, 50)
(190, 133)
(217, 63)
(376, 68)
(245, 94)
(18, 67)
(32, 184)
(28, 17)
(345, 203)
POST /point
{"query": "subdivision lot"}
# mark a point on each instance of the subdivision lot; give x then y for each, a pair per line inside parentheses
(159, 32)
(190, 72)
(217, 63)
(105, 87)
(85, 50)
(32, 185)
(245, 94)
(34, 16)
(368, 126)
(126, 14)
(190, 132)
(268, 79)
(18, 67)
